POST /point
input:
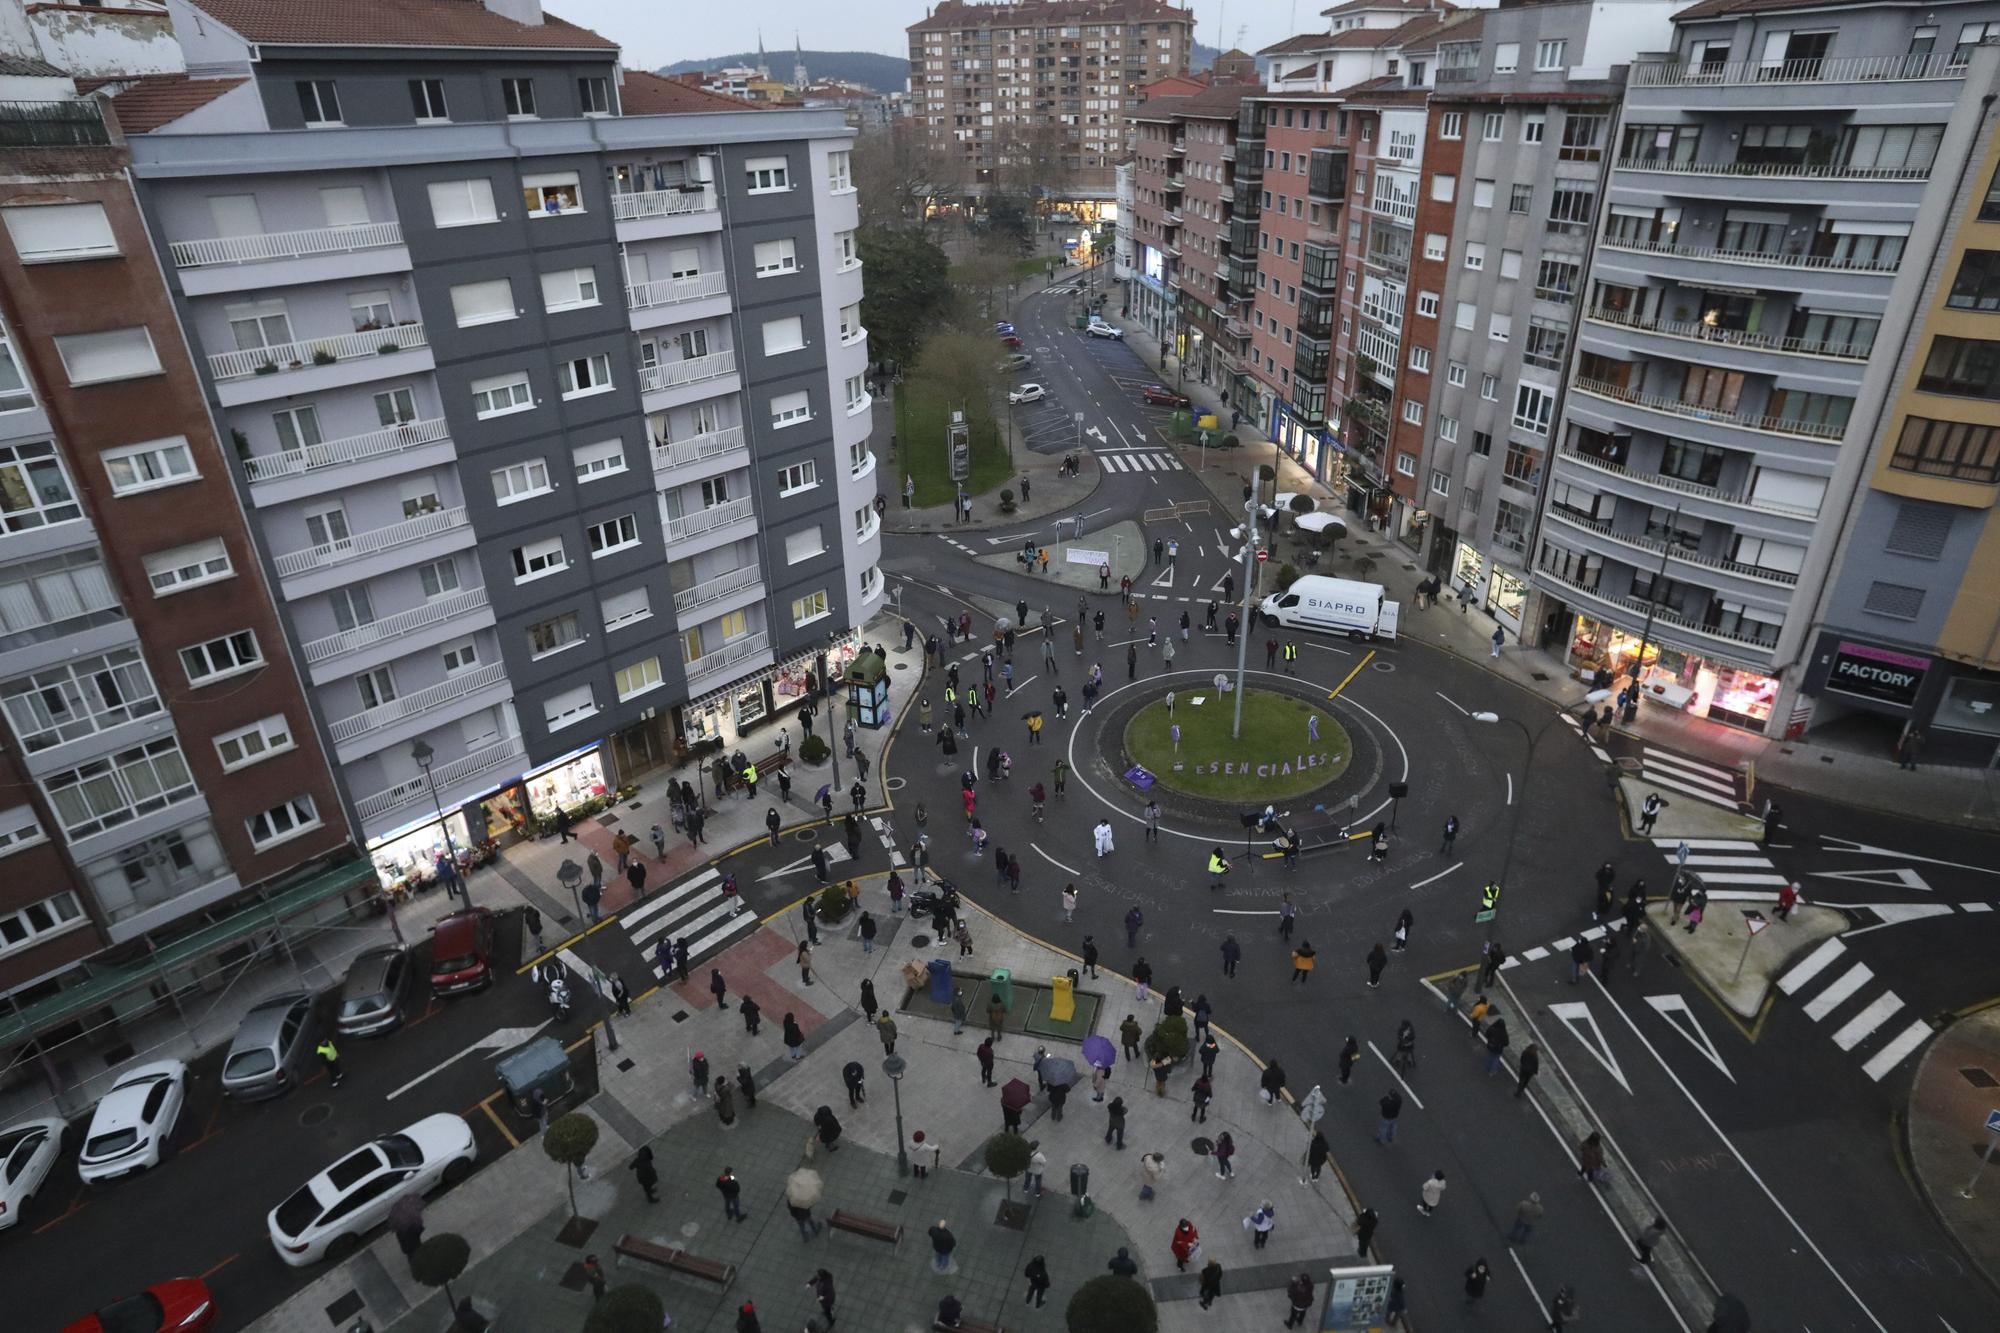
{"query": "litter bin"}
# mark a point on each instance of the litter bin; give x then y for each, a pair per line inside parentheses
(1002, 982)
(1079, 1179)
(941, 987)
(1062, 1000)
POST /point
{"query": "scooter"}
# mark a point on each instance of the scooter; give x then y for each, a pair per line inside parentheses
(559, 997)
(924, 902)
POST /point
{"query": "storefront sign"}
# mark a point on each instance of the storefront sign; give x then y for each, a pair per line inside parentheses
(1877, 673)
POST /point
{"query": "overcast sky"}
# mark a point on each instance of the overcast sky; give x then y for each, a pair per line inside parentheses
(655, 33)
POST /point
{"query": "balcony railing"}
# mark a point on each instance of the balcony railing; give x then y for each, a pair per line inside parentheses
(1853, 69)
(704, 520)
(1838, 349)
(392, 627)
(1673, 551)
(352, 449)
(869, 527)
(1667, 481)
(1674, 406)
(1831, 171)
(688, 370)
(410, 705)
(1457, 73)
(662, 203)
(672, 291)
(715, 589)
(503, 751)
(1759, 258)
(367, 543)
(276, 357)
(681, 453)
(862, 467)
(285, 244)
(1662, 615)
(728, 655)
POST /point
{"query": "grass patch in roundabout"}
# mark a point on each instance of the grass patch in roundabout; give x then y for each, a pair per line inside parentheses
(1274, 759)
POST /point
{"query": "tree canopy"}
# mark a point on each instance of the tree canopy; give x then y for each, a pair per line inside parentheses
(908, 290)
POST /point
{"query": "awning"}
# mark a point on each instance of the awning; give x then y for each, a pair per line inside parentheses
(735, 687)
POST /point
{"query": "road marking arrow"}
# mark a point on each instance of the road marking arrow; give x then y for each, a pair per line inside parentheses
(1600, 1050)
(1900, 877)
(1681, 1019)
(1863, 849)
(835, 854)
(1095, 434)
(500, 1039)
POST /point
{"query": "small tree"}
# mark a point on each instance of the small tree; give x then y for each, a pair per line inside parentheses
(439, 1260)
(568, 1141)
(1170, 1038)
(1364, 566)
(1288, 574)
(813, 749)
(833, 902)
(1007, 1156)
(628, 1309)
(1230, 441)
(1111, 1304)
(1006, 500)
(1267, 473)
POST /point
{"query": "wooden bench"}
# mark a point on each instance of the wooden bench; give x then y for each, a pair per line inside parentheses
(768, 769)
(873, 1227)
(676, 1260)
(967, 1324)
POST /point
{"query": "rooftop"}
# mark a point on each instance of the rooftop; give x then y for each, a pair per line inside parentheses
(417, 23)
(161, 99)
(649, 94)
(1386, 6)
(954, 14)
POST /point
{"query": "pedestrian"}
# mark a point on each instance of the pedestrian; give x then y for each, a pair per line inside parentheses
(1912, 746)
(725, 1102)
(1163, 1065)
(1186, 1244)
(532, 921)
(1677, 897)
(924, 1153)
(1130, 1035)
(1299, 1295)
(1037, 1273)
(1378, 842)
(1270, 654)
(1580, 955)
(1232, 953)
(1069, 902)
(1496, 1044)
(1649, 811)
(885, 1028)
(1122, 1265)
(1491, 958)
(1642, 944)
(851, 1075)
(621, 996)
(821, 1286)
(1134, 920)
(746, 1082)
(1114, 1123)
(1377, 959)
(1287, 916)
(1131, 661)
(1391, 1108)
(1202, 1010)
(802, 1216)
(1350, 1053)
(1211, 1283)
(1431, 1194)
(1478, 1275)
(1259, 1224)
(562, 825)
(985, 1054)
(1608, 955)
(1773, 819)
(1530, 1065)
(592, 894)
(1788, 898)
(330, 1058)
(1646, 1242)
(1272, 1083)
(1401, 934)
(1302, 962)
(1405, 1057)
(1206, 1053)
(868, 1004)
(1365, 1223)
(1526, 1214)
(731, 1191)
(593, 1272)
(1696, 910)
(1450, 835)
(1562, 1307)
(805, 961)
(827, 1129)
(1590, 1159)
(942, 1244)
(1499, 637)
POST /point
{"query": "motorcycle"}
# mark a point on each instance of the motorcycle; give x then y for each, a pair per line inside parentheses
(924, 902)
(559, 997)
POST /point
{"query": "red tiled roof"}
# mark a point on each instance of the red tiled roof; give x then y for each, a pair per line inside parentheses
(161, 99)
(1708, 9)
(649, 94)
(1362, 6)
(466, 23)
(1423, 33)
(952, 14)
(1303, 42)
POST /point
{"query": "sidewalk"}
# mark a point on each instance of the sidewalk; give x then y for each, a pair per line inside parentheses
(511, 1211)
(1947, 1134)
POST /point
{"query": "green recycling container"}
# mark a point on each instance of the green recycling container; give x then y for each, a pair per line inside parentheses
(1002, 982)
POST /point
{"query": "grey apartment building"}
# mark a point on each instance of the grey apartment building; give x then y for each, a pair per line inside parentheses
(1765, 220)
(546, 390)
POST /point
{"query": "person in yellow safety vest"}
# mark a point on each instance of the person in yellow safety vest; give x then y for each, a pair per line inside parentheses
(950, 695)
(330, 1058)
(1291, 659)
(750, 780)
(1218, 867)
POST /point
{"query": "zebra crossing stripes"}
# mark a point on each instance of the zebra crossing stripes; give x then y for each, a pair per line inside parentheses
(1845, 979)
(1690, 777)
(1725, 861)
(1140, 462)
(692, 909)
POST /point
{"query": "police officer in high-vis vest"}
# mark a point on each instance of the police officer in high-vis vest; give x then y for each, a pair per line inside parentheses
(330, 1058)
(1218, 867)
(1291, 659)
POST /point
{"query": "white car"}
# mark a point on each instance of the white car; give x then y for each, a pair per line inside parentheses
(1028, 393)
(27, 1151)
(132, 1124)
(1104, 331)
(331, 1212)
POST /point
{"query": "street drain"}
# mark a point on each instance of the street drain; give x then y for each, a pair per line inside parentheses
(315, 1114)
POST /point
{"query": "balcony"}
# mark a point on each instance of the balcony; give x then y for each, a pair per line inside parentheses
(412, 705)
(699, 448)
(393, 627)
(862, 468)
(1738, 499)
(1761, 342)
(688, 370)
(870, 528)
(1450, 74)
(1856, 69)
(675, 203)
(278, 358)
(283, 245)
(715, 589)
(293, 563)
(729, 655)
(674, 291)
(339, 453)
(1662, 615)
(1228, 152)
(1819, 171)
(707, 520)
(1675, 407)
(1750, 257)
(504, 753)
(1639, 541)
(1382, 349)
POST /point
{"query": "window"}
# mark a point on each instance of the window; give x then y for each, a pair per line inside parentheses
(14, 392)
(226, 656)
(774, 257)
(850, 325)
(1451, 125)
(790, 408)
(1413, 412)
(552, 636)
(187, 567)
(1506, 57)
(1966, 367)
(613, 535)
(1583, 137)
(684, 263)
(1434, 245)
(857, 393)
(539, 558)
(573, 705)
(393, 407)
(1406, 465)
(46, 233)
(146, 467)
(18, 829)
(767, 174)
(47, 917)
(553, 193)
(1454, 374)
(1556, 281)
(1961, 450)
(1534, 127)
(1466, 316)
(1523, 465)
(803, 544)
(847, 250)
(1492, 126)
(1475, 255)
(119, 788)
(840, 171)
(1894, 600)
(1571, 210)
(1482, 443)
(626, 608)
(584, 375)
(1440, 482)
(1448, 429)
(460, 656)
(1444, 188)
(438, 578)
(113, 354)
(427, 101)
(1532, 407)
(1489, 388)
(34, 490)
(637, 678)
(520, 481)
(79, 698)
(283, 822)
(1547, 343)
(784, 335)
(258, 741)
(318, 102)
(809, 608)
(1427, 304)
(595, 461)
(370, 310)
(797, 477)
(1522, 200)
(462, 203)
(1977, 285)
(1551, 55)
(501, 394)
(519, 97)
(486, 302)
(569, 289)
(593, 96)
(1420, 360)
(1500, 328)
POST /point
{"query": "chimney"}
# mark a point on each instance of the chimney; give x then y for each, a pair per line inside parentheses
(527, 12)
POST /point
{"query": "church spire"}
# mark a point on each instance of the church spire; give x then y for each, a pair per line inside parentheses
(799, 77)
(763, 64)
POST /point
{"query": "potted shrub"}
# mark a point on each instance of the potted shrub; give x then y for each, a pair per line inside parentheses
(241, 441)
(390, 346)
(1006, 501)
(267, 367)
(1230, 441)
(1169, 1038)
(1111, 1304)
(814, 749)
(833, 902)
(1288, 574)
(322, 357)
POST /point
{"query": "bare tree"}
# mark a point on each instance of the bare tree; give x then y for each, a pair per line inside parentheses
(900, 174)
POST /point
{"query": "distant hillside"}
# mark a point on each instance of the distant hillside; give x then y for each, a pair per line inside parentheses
(884, 74)
(1201, 58)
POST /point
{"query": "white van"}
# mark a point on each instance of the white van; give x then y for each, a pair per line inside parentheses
(1334, 606)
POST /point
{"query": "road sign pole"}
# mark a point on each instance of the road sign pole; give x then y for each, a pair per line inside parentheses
(1743, 958)
(1992, 1139)
(1754, 922)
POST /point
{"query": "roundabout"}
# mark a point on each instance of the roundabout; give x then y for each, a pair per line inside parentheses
(1287, 747)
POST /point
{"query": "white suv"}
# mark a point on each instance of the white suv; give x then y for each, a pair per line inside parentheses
(330, 1213)
(131, 1125)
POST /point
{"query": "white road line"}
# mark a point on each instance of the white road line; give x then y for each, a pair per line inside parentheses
(1838, 990)
(1235, 911)
(1534, 955)
(1744, 862)
(1893, 1054)
(687, 888)
(1440, 875)
(1393, 1074)
(1562, 945)
(1602, 757)
(1528, 1282)
(1708, 773)
(1813, 964)
(1654, 779)
(1052, 861)
(1453, 702)
(1708, 844)
(1510, 789)
(1975, 907)
(1874, 1016)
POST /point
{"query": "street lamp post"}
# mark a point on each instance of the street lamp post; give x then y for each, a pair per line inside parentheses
(1243, 630)
(894, 1067)
(425, 757)
(569, 874)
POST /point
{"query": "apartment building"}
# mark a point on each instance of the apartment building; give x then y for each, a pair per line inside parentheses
(1183, 168)
(547, 401)
(997, 84)
(1760, 259)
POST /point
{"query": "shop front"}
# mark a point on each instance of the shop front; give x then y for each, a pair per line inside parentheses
(1506, 597)
(1702, 686)
(406, 858)
(520, 807)
(721, 719)
(1311, 447)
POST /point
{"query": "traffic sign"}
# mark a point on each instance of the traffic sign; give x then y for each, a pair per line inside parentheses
(1262, 555)
(1993, 1121)
(1755, 920)
(1481, 918)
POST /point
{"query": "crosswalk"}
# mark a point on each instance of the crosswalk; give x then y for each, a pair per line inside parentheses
(692, 909)
(1140, 462)
(1690, 777)
(1726, 863)
(1826, 979)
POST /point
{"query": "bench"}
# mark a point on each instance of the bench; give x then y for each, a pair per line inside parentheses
(676, 1260)
(873, 1227)
(768, 769)
(967, 1324)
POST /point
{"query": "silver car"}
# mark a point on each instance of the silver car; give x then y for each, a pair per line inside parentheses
(271, 1048)
(373, 994)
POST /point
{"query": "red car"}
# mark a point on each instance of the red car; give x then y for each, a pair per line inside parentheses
(179, 1305)
(462, 951)
(1009, 340)
(1161, 397)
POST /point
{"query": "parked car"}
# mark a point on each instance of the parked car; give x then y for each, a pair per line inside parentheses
(1028, 393)
(374, 992)
(1015, 361)
(1009, 340)
(462, 951)
(27, 1151)
(272, 1046)
(1102, 330)
(329, 1214)
(132, 1124)
(1002, 326)
(178, 1305)
(1160, 396)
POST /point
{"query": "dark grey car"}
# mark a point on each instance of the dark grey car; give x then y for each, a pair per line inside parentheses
(373, 995)
(272, 1048)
